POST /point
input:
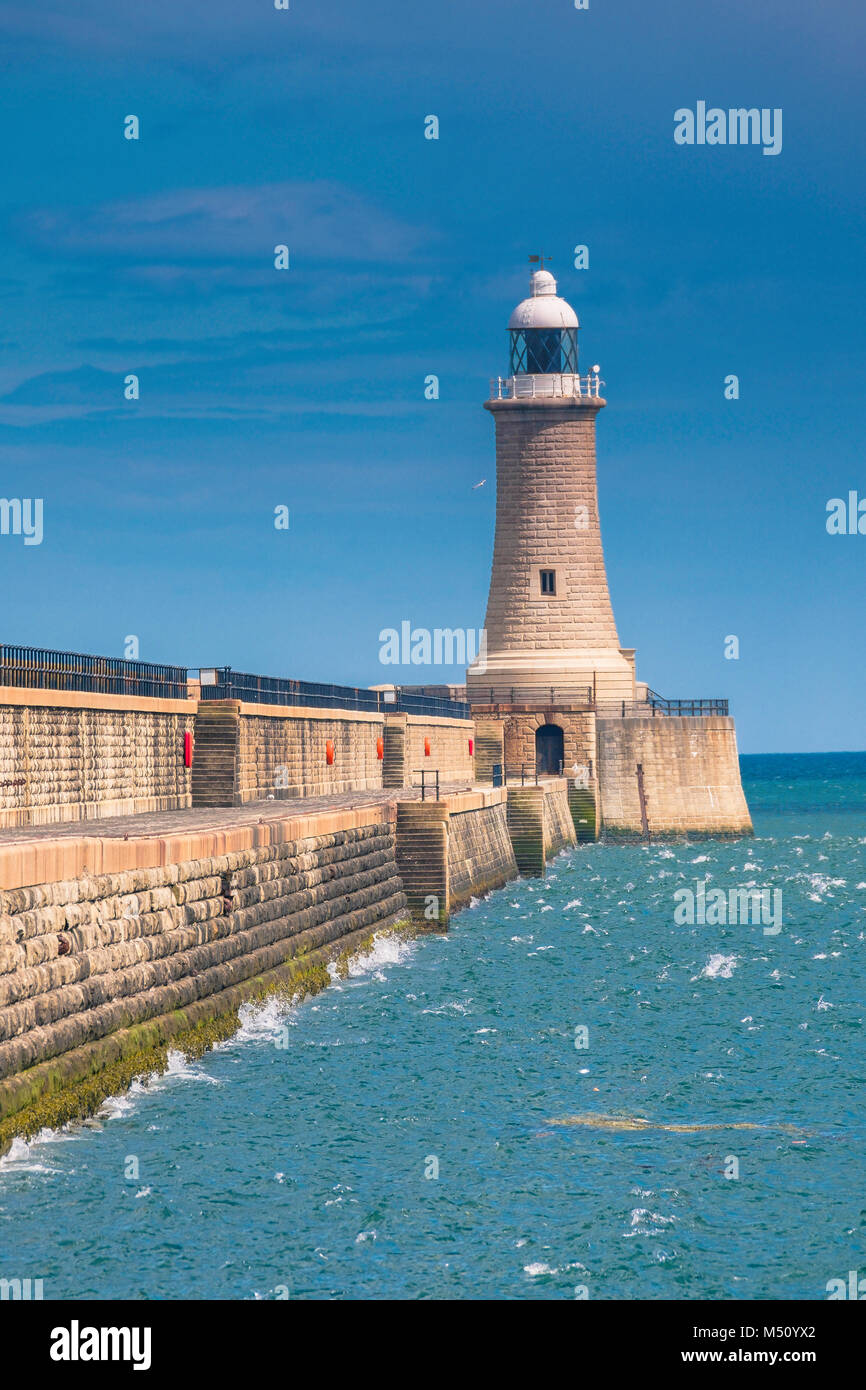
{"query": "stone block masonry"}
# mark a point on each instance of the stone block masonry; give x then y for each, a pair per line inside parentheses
(70, 755)
(469, 843)
(547, 520)
(451, 850)
(480, 852)
(448, 740)
(247, 752)
(584, 812)
(282, 752)
(539, 824)
(96, 968)
(489, 746)
(422, 860)
(690, 773)
(115, 947)
(578, 730)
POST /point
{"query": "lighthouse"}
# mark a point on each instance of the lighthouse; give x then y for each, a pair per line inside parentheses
(553, 692)
(550, 624)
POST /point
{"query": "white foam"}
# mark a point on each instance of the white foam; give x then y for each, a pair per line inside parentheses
(115, 1107)
(718, 967)
(385, 950)
(21, 1157)
(180, 1068)
(647, 1223)
(264, 1021)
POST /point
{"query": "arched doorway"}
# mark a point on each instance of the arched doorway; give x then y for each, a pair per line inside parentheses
(548, 749)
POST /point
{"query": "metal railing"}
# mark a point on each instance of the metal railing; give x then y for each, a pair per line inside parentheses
(543, 385)
(517, 776)
(532, 695)
(430, 704)
(38, 668)
(557, 696)
(276, 690)
(686, 707)
(659, 708)
(431, 773)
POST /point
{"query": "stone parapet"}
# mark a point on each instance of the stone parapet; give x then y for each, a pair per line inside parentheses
(73, 755)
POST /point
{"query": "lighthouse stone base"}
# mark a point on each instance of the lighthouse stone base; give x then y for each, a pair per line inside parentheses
(628, 777)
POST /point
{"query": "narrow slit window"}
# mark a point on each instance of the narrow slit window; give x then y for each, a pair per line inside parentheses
(548, 581)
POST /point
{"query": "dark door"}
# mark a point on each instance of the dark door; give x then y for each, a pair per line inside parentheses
(548, 749)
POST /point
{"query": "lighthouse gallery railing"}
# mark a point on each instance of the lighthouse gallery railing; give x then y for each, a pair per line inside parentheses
(528, 386)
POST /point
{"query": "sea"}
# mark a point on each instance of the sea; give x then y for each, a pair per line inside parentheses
(573, 1094)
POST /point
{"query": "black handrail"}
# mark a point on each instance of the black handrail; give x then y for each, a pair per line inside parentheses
(686, 707)
(39, 668)
(277, 690)
(551, 696)
(540, 696)
(425, 773)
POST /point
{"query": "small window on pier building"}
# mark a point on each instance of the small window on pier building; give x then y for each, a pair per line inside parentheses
(548, 581)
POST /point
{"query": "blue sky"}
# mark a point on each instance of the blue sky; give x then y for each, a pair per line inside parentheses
(306, 388)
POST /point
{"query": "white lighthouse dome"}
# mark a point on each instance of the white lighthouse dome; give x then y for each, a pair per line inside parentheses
(543, 308)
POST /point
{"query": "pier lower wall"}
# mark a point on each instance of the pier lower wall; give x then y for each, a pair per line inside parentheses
(480, 852)
(113, 950)
(539, 823)
(100, 972)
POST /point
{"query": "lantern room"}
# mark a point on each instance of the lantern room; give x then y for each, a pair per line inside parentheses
(543, 330)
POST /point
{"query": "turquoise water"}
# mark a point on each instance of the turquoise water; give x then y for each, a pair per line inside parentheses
(293, 1159)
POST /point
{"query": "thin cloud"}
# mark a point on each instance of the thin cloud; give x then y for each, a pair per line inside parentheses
(319, 221)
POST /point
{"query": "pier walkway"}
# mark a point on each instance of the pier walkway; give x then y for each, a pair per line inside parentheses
(200, 820)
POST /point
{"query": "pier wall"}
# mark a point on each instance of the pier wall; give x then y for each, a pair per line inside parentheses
(539, 823)
(101, 972)
(468, 843)
(690, 775)
(452, 850)
(113, 950)
(74, 755)
(578, 730)
(248, 752)
(283, 752)
(71, 755)
(480, 852)
(448, 741)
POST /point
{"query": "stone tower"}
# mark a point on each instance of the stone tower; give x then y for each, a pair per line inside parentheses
(549, 617)
(553, 692)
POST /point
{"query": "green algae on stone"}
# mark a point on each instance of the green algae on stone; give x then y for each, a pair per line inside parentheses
(59, 1100)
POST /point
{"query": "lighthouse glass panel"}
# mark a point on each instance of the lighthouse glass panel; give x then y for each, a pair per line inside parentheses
(541, 351)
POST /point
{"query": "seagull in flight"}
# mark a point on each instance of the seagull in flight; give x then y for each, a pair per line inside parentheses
(481, 484)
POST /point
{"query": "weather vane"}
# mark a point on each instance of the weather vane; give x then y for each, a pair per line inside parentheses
(540, 260)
